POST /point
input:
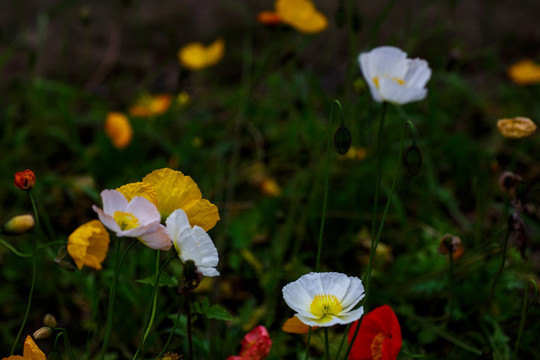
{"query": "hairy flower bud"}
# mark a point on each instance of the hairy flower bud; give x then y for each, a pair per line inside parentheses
(43, 333)
(50, 321)
(18, 224)
(413, 160)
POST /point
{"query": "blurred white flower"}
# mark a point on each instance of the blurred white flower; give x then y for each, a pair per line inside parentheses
(393, 77)
(325, 299)
(192, 243)
(138, 218)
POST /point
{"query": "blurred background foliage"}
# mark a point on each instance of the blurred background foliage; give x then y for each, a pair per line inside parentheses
(262, 113)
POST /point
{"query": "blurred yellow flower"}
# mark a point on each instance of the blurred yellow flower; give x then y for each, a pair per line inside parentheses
(293, 325)
(183, 98)
(151, 105)
(18, 224)
(355, 153)
(517, 127)
(524, 72)
(270, 187)
(301, 15)
(175, 190)
(171, 356)
(88, 244)
(30, 351)
(195, 56)
(118, 129)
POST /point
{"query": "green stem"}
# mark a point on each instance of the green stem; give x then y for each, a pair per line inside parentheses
(325, 199)
(176, 322)
(67, 345)
(151, 312)
(343, 340)
(34, 248)
(307, 344)
(112, 293)
(501, 268)
(26, 255)
(450, 281)
(326, 344)
(379, 232)
(524, 311)
(190, 335)
(379, 21)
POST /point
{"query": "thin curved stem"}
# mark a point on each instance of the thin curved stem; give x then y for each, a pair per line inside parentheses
(67, 345)
(326, 343)
(26, 255)
(307, 344)
(112, 293)
(173, 329)
(524, 311)
(32, 285)
(189, 332)
(501, 268)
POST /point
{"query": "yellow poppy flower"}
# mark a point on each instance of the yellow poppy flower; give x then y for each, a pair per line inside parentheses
(517, 127)
(195, 56)
(145, 190)
(151, 105)
(88, 244)
(30, 351)
(118, 129)
(524, 72)
(302, 15)
(177, 191)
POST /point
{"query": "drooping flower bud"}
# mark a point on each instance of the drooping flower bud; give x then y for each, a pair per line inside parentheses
(50, 321)
(342, 140)
(25, 180)
(18, 224)
(43, 333)
(449, 243)
(192, 277)
(413, 160)
(517, 127)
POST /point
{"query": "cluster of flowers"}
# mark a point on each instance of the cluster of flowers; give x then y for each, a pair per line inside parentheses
(138, 210)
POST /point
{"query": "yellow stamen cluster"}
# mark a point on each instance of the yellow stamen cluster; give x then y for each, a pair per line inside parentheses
(393, 78)
(376, 346)
(324, 307)
(125, 220)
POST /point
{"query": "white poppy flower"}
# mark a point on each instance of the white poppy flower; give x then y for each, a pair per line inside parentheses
(325, 299)
(138, 218)
(192, 243)
(393, 77)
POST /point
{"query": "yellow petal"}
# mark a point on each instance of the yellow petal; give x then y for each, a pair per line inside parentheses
(151, 105)
(177, 191)
(31, 351)
(302, 15)
(195, 56)
(118, 129)
(88, 244)
(140, 188)
(295, 326)
(524, 72)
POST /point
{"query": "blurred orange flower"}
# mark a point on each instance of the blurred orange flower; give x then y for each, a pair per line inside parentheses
(25, 180)
(88, 244)
(30, 351)
(118, 129)
(293, 325)
(151, 105)
(268, 18)
(301, 15)
(517, 127)
(524, 72)
(195, 56)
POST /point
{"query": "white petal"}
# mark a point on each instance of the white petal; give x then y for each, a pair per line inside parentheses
(335, 284)
(106, 220)
(355, 293)
(210, 272)
(351, 316)
(312, 284)
(177, 224)
(400, 94)
(310, 321)
(363, 60)
(388, 61)
(143, 210)
(113, 201)
(206, 248)
(140, 230)
(158, 239)
(297, 297)
(418, 74)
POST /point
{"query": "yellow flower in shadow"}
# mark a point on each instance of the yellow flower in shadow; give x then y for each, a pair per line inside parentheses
(118, 129)
(524, 72)
(88, 244)
(30, 351)
(195, 56)
(174, 190)
(354, 153)
(301, 15)
(151, 105)
(517, 127)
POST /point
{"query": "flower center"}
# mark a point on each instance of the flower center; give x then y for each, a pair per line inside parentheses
(393, 78)
(376, 346)
(125, 220)
(324, 307)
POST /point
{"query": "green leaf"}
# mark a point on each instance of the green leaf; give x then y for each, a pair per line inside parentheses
(211, 311)
(164, 280)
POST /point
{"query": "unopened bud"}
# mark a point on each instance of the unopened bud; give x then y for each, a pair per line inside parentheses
(25, 180)
(18, 224)
(43, 333)
(449, 243)
(50, 321)
(342, 140)
(413, 160)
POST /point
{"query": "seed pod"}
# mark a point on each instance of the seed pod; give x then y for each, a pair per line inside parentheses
(413, 160)
(342, 140)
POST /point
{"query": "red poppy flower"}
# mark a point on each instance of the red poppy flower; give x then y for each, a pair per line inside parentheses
(379, 337)
(25, 180)
(255, 345)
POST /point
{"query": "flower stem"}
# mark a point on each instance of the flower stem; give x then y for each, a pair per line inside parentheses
(67, 345)
(190, 336)
(173, 329)
(326, 344)
(112, 293)
(501, 268)
(151, 312)
(307, 344)
(30, 295)
(450, 281)
(524, 311)
(379, 232)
